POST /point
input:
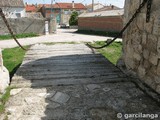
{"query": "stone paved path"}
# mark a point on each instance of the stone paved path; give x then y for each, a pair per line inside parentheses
(72, 82)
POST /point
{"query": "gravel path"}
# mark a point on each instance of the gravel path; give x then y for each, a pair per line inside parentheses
(62, 35)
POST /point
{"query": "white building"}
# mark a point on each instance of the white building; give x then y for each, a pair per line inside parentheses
(13, 8)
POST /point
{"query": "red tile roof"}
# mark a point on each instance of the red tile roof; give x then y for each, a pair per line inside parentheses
(65, 6)
(31, 8)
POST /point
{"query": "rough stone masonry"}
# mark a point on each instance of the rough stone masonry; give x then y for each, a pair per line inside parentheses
(141, 45)
(4, 75)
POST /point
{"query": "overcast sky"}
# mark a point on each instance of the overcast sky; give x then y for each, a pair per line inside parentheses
(119, 3)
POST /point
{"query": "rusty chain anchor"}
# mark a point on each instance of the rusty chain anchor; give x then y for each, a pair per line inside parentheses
(9, 28)
(109, 41)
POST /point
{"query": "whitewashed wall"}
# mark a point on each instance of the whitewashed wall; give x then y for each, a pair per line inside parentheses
(11, 12)
(4, 75)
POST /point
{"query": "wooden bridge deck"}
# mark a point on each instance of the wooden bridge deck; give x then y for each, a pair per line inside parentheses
(72, 82)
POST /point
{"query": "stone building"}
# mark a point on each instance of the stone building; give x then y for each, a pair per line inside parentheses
(63, 11)
(34, 11)
(141, 44)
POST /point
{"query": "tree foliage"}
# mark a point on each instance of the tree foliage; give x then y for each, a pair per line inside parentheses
(73, 19)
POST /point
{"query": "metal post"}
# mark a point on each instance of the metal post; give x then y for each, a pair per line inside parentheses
(51, 8)
(92, 5)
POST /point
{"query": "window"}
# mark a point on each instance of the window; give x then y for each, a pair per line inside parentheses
(18, 15)
(66, 12)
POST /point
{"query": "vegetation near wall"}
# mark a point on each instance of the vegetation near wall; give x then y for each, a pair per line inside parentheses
(73, 19)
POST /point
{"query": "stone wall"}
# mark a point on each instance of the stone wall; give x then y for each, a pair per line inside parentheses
(23, 25)
(4, 75)
(141, 44)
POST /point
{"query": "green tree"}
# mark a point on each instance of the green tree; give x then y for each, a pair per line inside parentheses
(73, 19)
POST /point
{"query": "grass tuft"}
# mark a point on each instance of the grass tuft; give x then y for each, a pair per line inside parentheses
(4, 98)
(13, 58)
(23, 35)
(99, 33)
(112, 52)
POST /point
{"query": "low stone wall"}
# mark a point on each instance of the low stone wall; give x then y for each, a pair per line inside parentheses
(141, 44)
(4, 75)
(23, 25)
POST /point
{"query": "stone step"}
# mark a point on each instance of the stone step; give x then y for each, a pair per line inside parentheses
(66, 72)
(21, 82)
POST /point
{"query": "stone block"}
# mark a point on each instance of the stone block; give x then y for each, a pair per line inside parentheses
(158, 47)
(144, 38)
(146, 64)
(157, 79)
(33, 100)
(158, 69)
(150, 82)
(130, 64)
(141, 71)
(146, 54)
(158, 88)
(153, 70)
(15, 91)
(156, 26)
(148, 27)
(153, 58)
(60, 98)
(4, 79)
(137, 56)
(152, 43)
(93, 87)
(50, 94)
(4, 75)
(130, 51)
(52, 105)
(155, 6)
(140, 22)
(136, 36)
(137, 48)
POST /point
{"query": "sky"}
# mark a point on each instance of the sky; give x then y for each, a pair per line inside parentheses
(119, 3)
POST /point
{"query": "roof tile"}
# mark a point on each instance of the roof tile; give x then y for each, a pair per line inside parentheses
(65, 6)
(30, 8)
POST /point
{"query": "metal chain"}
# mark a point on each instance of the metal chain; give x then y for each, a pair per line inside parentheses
(9, 28)
(149, 4)
(109, 41)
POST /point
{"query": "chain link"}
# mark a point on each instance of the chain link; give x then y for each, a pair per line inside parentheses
(149, 4)
(109, 41)
(9, 28)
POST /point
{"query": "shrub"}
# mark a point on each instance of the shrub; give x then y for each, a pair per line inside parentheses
(73, 19)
